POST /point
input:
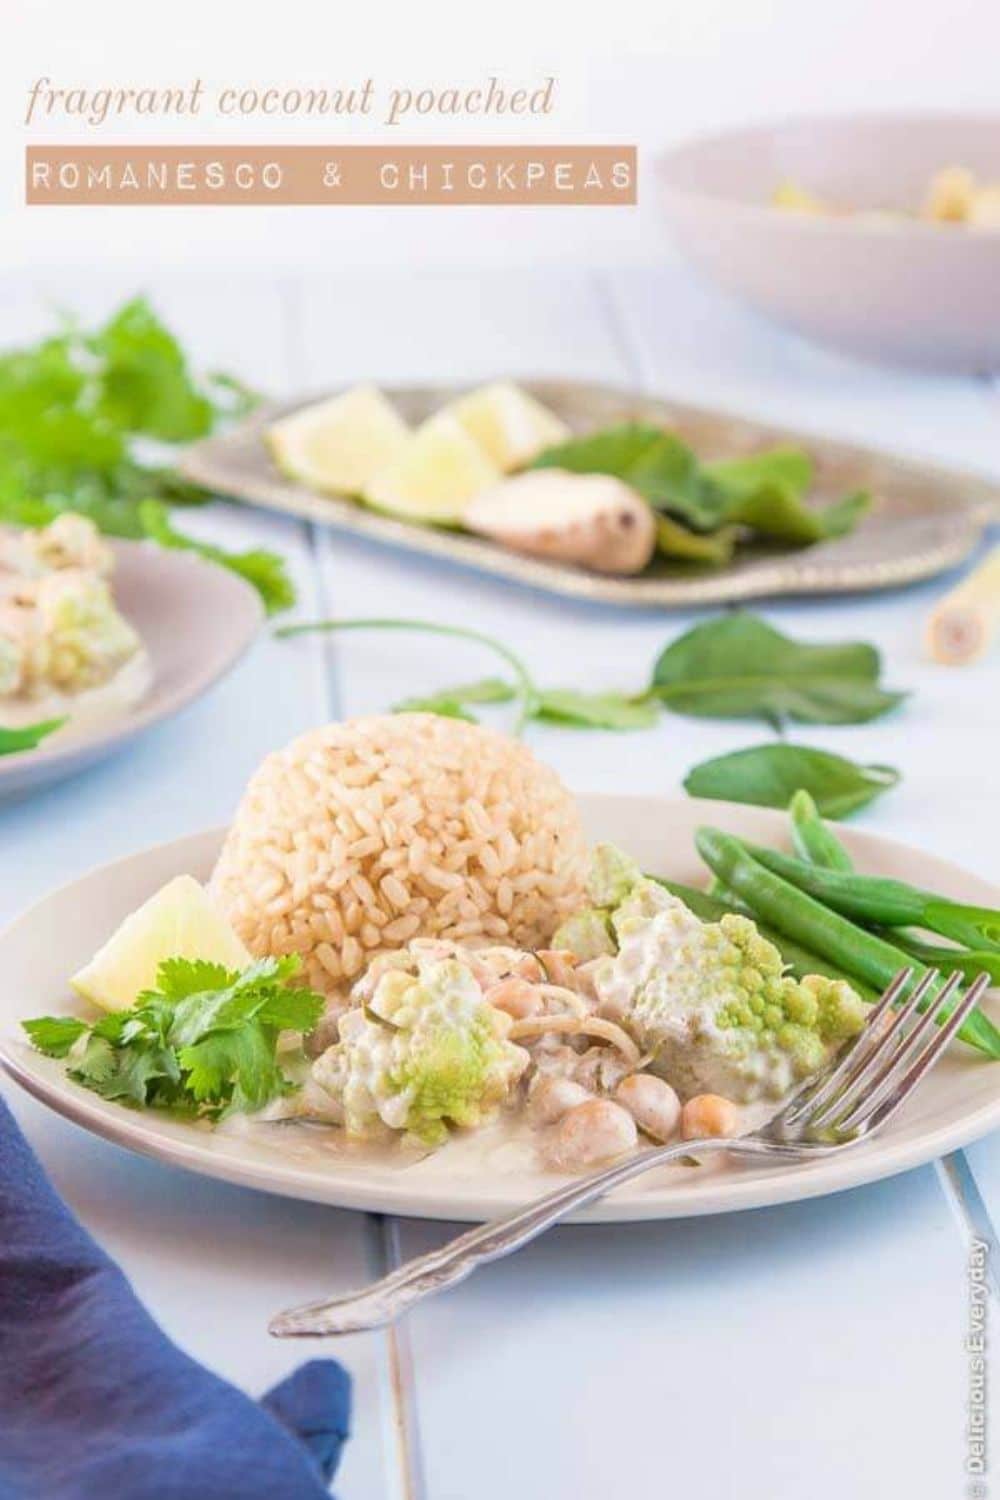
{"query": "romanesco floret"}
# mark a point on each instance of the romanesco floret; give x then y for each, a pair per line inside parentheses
(711, 1001)
(71, 541)
(426, 1052)
(586, 934)
(611, 876)
(87, 639)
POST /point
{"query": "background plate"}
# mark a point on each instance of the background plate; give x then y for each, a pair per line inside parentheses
(195, 619)
(925, 519)
(960, 1101)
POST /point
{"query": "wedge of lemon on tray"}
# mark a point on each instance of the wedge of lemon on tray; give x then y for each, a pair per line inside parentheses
(436, 476)
(180, 921)
(357, 444)
(510, 426)
(338, 446)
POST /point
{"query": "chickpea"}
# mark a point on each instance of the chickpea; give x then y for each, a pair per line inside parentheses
(515, 996)
(552, 1097)
(590, 1133)
(652, 1103)
(528, 967)
(709, 1114)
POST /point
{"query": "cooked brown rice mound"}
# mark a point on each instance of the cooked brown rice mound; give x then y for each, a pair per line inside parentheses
(364, 834)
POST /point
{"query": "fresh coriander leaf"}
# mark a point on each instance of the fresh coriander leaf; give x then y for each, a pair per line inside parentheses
(234, 1067)
(265, 971)
(97, 1064)
(71, 407)
(264, 571)
(143, 378)
(204, 1043)
(176, 978)
(123, 1025)
(738, 666)
(54, 1035)
(125, 1073)
(28, 737)
(291, 1010)
(595, 710)
(769, 775)
(232, 1006)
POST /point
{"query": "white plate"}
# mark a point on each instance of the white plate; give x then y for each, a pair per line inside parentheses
(960, 1101)
(900, 290)
(196, 620)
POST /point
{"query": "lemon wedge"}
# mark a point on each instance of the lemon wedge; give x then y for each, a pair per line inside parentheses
(508, 424)
(340, 444)
(178, 922)
(436, 474)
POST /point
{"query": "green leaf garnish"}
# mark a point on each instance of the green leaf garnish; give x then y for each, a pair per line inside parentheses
(594, 710)
(769, 775)
(656, 463)
(29, 737)
(204, 1041)
(264, 571)
(765, 492)
(55, 1035)
(738, 666)
(72, 408)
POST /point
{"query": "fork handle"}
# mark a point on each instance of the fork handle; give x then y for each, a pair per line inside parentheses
(383, 1301)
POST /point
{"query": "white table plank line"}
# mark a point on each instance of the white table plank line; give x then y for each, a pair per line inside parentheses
(327, 645)
(402, 1370)
(971, 1212)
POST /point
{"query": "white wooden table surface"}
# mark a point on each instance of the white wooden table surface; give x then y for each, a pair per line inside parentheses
(813, 1349)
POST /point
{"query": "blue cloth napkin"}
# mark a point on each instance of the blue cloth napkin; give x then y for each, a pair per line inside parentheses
(96, 1403)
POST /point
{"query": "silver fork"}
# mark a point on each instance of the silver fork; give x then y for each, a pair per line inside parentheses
(853, 1098)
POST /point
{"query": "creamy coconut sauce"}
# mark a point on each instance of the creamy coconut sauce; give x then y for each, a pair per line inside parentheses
(505, 1147)
(94, 708)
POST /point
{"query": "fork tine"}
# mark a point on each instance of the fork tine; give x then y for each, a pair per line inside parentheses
(826, 1086)
(931, 1054)
(886, 1048)
(880, 1085)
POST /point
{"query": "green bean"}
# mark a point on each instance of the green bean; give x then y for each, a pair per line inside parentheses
(965, 961)
(880, 902)
(804, 920)
(813, 840)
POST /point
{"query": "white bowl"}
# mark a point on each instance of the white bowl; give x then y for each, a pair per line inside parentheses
(888, 289)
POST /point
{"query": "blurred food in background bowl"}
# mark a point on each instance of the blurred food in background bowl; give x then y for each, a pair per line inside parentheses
(861, 265)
